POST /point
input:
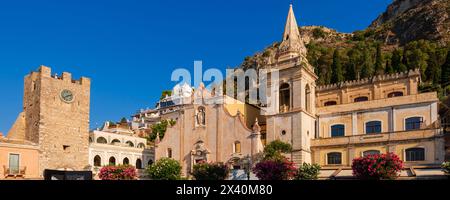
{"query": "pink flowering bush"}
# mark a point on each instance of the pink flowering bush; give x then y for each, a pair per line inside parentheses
(275, 169)
(384, 166)
(121, 172)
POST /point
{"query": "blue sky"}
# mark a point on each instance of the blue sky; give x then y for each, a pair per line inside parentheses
(130, 48)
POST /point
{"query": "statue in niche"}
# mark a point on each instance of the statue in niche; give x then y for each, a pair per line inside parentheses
(201, 116)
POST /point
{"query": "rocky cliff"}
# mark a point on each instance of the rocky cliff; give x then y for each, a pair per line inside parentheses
(409, 20)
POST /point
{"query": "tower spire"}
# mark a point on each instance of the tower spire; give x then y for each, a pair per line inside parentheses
(292, 44)
(291, 29)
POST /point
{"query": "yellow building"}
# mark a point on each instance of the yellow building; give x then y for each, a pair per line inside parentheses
(378, 115)
(333, 124)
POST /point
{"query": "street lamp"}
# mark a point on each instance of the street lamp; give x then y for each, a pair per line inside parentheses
(247, 162)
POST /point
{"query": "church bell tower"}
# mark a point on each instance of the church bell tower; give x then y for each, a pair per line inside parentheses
(294, 119)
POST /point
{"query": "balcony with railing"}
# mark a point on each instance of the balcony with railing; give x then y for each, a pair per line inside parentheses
(14, 172)
(378, 138)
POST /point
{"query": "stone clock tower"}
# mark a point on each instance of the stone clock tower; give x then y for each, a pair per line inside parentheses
(56, 111)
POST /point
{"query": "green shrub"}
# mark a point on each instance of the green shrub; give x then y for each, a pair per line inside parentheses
(275, 149)
(165, 169)
(446, 167)
(210, 171)
(308, 172)
(318, 33)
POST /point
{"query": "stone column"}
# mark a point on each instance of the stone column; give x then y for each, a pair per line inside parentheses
(354, 123)
(350, 154)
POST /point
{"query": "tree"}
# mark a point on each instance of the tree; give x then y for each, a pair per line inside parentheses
(445, 73)
(418, 59)
(433, 70)
(337, 73)
(389, 69)
(367, 69)
(405, 58)
(124, 120)
(379, 61)
(165, 169)
(352, 70)
(275, 149)
(396, 61)
(165, 93)
(160, 128)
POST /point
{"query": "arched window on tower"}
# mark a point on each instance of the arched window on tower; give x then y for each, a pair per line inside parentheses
(285, 97)
(308, 98)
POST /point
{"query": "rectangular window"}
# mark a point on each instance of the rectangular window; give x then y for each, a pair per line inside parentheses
(334, 158)
(14, 163)
(415, 154)
(373, 127)
(338, 130)
(413, 123)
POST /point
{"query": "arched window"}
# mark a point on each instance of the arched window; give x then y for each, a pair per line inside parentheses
(361, 99)
(330, 103)
(138, 164)
(415, 154)
(102, 140)
(395, 94)
(371, 153)
(112, 161)
(130, 144)
(373, 127)
(150, 162)
(338, 130)
(126, 161)
(334, 158)
(115, 142)
(141, 145)
(308, 98)
(97, 161)
(237, 147)
(285, 97)
(413, 123)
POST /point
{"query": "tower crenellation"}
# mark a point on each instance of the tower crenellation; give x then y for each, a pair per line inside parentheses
(386, 77)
